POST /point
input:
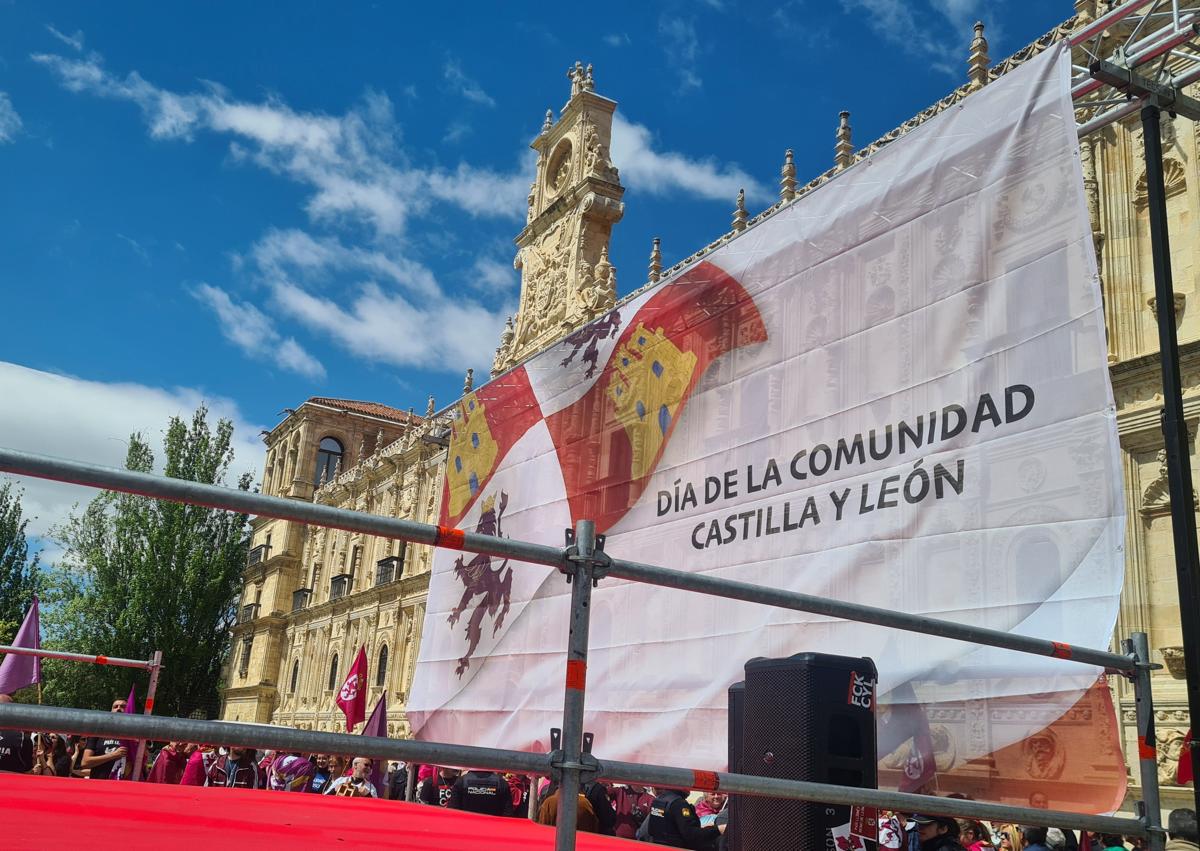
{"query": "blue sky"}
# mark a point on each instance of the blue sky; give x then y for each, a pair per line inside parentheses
(253, 203)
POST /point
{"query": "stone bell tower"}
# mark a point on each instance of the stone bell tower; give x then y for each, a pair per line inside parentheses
(562, 253)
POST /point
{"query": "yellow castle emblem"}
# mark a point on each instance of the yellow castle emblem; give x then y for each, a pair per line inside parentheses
(651, 377)
(472, 453)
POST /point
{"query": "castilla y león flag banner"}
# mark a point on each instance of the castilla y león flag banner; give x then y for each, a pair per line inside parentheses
(893, 391)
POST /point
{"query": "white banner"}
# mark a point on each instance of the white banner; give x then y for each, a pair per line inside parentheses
(892, 392)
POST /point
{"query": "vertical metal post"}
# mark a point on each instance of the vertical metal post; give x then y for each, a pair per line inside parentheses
(410, 782)
(139, 759)
(1147, 742)
(580, 576)
(1175, 432)
(531, 802)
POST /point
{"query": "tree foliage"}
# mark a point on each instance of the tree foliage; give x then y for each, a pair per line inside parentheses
(144, 575)
(19, 574)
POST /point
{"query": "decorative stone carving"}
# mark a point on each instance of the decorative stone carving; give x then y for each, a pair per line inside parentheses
(739, 212)
(843, 150)
(787, 177)
(468, 381)
(576, 199)
(977, 65)
(1174, 182)
(1174, 659)
(596, 158)
(655, 260)
(1178, 299)
(1156, 498)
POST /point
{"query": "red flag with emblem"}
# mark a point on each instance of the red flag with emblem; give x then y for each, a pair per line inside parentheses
(352, 699)
(610, 441)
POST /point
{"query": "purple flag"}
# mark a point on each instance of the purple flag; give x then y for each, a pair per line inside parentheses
(16, 672)
(377, 726)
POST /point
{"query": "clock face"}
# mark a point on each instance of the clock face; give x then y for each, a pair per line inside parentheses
(559, 172)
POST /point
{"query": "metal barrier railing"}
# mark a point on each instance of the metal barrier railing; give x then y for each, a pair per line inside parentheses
(154, 665)
(584, 562)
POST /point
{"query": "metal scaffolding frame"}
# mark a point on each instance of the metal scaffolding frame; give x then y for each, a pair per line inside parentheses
(1141, 55)
(1154, 58)
(153, 665)
(584, 563)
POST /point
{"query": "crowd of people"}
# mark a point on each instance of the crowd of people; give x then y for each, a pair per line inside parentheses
(670, 817)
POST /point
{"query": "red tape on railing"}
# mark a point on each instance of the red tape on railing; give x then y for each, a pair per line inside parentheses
(1061, 650)
(450, 538)
(576, 674)
(706, 781)
(101, 660)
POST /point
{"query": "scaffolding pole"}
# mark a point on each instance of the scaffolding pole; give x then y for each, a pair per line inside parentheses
(213, 496)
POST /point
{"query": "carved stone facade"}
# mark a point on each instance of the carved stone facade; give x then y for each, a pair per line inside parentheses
(313, 596)
(562, 253)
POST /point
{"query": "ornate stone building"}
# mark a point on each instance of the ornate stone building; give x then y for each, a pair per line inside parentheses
(311, 597)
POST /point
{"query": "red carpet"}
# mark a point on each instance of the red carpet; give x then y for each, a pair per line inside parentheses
(54, 812)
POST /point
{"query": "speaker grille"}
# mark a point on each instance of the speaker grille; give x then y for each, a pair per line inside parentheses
(808, 717)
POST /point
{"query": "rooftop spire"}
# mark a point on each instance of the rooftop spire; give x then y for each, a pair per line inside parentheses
(843, 151)
(549, 122)
(739, 212)
(655, 261)
(787, 174)
(468, 381)
(977, 64)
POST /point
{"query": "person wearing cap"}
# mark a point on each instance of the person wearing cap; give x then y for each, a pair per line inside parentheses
(936, 833)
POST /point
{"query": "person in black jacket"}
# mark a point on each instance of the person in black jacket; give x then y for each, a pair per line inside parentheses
(483, 792)
(597, 795)
(673, 822)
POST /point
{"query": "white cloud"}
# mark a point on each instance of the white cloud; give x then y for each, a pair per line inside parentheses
(250, 330)
(489, 273)
(91, 421)
(942, 40)
(481, 192)
(464, 85)
(387, 327)
(350, 162)
(10, 122)
(75, 40)
(617, 39)
(666, 172)
(682, 50)
(136, 247)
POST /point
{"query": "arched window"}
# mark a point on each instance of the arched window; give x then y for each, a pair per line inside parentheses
(381, 668)
(333, 672)
(295, 675)
(328, 456)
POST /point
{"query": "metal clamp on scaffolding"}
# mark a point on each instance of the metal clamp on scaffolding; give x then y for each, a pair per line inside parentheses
(1134, 85)
(596, 564)
(587, 766)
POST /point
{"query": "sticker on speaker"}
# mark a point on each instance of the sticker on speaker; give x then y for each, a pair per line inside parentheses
(861, 692)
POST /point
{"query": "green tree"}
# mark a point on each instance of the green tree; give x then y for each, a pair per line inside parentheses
(143, 575)
(19, 573)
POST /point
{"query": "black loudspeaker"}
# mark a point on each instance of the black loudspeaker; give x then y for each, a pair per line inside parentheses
(737, 711)
(808, 717)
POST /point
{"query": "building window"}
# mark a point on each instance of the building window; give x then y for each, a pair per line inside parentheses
(295, 675)
(333, 672)
(328, 457)
(381, 668)
(244, 665)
